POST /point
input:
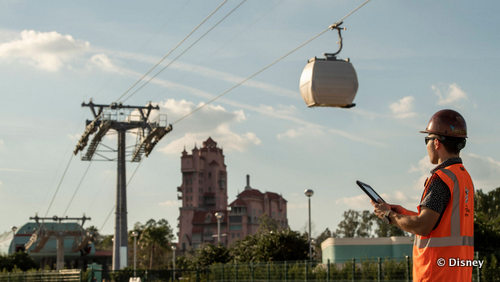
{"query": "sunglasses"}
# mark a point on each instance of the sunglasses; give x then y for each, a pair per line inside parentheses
(427, 139)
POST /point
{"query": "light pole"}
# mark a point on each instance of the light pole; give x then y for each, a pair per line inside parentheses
(309, 193)
(173, 262)
(14, 228)
(135, 234)
(219, 216)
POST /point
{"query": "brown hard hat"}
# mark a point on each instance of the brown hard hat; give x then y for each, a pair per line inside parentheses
(447, 123)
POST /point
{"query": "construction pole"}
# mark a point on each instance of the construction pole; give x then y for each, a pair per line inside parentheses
(60, 252)
(121, 233)
(107, 117)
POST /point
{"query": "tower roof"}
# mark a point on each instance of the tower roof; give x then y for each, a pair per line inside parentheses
(209, 143)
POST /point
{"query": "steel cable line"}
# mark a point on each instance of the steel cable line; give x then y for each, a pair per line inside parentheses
(248, 78)
(59, 185)
(77, 188)
(128, 90)
(172, 50)
(183, 52)
(271, 64)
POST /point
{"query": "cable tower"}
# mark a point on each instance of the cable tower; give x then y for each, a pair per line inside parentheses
(121, 118)
(43, 233)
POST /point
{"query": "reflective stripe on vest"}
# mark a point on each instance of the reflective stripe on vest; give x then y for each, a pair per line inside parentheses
(454, 239)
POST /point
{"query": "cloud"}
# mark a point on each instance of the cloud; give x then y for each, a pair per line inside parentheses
(422, 168)
(359, 202)
(296, 206)
(362, 201)
(48, 51)
(283, 112)
(103, 62)
(298, 132)
(484, 171)
(210, 121)
(14, 170)
(2, 144)
(403, 108)
(451, 95)
(170, 203)
(211, 73)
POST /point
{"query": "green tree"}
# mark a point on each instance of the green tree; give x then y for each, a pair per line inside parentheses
(210, 254)
(154, 243)
(318, 240)
(19, 260)
(356, 224)
(267, 224)
(387, 230)
(284, 245)
(348, 226)
(487, 222)
(365, 224)
(101, 242)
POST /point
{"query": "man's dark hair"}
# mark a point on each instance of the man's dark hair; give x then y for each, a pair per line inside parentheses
(452, 144)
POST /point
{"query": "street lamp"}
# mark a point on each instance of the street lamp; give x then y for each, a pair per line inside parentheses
(219, 216)
(309, 193)
(14, 228)
(173, 262)
(135, 234)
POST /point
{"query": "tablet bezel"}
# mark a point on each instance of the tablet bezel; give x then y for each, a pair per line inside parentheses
(362, 186)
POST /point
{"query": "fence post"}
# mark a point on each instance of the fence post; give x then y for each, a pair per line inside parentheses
(197, 275)
(407, 268)
(268, 272)
(328, 270)
(353, 268)
(306, 267)
(236, 271)
(251, 271)
(379, 269)
(478, 271)
(223, 272)
(286, 271)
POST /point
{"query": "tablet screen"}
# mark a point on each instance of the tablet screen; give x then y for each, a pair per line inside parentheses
(370, 192)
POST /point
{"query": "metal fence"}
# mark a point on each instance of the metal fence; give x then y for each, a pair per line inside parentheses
(64, 275)
(399, 269)
(351, 270)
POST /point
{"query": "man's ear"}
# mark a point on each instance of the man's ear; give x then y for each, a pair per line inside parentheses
(437, 144)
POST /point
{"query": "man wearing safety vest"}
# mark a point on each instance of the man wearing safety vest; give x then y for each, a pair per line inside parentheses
(444, 224)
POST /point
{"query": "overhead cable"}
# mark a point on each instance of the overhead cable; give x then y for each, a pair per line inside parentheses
(185, 50)
(172, 50)
(271, 64)
(76, 189)
(59, 185)
(125, 93)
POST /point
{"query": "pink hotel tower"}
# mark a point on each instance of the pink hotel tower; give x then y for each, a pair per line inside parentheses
(204, 192)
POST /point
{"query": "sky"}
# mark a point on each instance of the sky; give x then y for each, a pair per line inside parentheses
(412, 59)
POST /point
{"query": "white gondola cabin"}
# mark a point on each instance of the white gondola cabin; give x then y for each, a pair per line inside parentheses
(328, 82)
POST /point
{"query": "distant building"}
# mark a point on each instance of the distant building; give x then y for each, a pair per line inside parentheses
(77, 252)
(341, 250)
(249, 206)
(204, 193)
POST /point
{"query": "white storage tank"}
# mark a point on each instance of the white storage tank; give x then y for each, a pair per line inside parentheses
(328, 82)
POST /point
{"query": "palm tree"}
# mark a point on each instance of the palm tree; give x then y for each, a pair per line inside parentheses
(155, 238)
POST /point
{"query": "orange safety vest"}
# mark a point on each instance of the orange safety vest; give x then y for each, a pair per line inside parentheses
(452, 242)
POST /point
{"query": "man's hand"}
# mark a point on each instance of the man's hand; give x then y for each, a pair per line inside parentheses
(380, 209)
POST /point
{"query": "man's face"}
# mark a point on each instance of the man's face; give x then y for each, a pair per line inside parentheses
(431, 149)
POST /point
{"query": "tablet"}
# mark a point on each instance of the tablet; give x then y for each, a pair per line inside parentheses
(370, 192)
